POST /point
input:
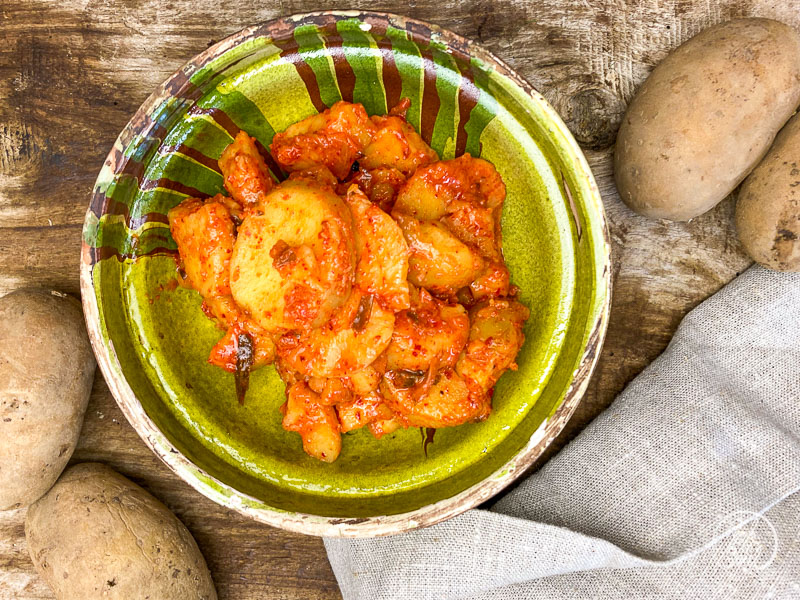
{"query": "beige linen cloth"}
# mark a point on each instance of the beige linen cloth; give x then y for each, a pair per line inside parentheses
(686, 487)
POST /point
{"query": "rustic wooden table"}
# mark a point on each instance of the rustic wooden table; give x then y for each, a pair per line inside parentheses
(73, 72)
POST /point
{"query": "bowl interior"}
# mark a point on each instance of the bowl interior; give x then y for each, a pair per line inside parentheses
(262, 80)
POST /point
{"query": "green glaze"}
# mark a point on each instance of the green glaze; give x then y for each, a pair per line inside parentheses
(158, 340)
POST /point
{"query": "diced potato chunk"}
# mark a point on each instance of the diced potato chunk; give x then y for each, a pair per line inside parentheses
(448, 402)
(396, 144)
(333, 138)
(429, 333)
(439, 261)
(363, 411)
(421, 199)
(495, 338)
(383, 427)
(432, 189)
(477, 226)
(246, 175)
(205, 236)
(382, 268)
(339, 348)
(316, 424)
(367, 379)
(494, 282)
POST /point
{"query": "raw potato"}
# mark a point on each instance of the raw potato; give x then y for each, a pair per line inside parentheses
(768, 210)
(98, 535)
(706, 116)
(46, 371)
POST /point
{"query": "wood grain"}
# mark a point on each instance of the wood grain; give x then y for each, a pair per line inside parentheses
(72, 73)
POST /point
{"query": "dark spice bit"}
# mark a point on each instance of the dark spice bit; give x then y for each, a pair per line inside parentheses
(245, 356)
(424, 386)
(355, 168)
(282, 254)
(404, 379)
(362, 313)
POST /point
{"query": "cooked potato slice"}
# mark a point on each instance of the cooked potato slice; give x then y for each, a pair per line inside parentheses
(246, 175)
(333, 138)
(448, 402)
(293, 261)
(495, 337)
(429, 333)
(367, 379)
(363, 411)
(439, 262)
(477, 226)
(350, 341)
(421, 198)
(396, 144)
(382, 268)
(494, 282)
(204, 232)
(383, 427)
(317, 424)
(430, 191)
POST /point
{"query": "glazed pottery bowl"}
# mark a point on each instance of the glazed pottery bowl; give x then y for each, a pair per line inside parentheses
(152, 340)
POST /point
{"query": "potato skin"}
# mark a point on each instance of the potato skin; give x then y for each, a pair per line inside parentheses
(706, 116)
(46, 372)
(96, 534)
(768, 209)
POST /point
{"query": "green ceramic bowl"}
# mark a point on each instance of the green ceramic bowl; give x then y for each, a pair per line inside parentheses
(152, 340)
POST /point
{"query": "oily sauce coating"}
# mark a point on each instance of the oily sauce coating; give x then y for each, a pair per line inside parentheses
(430, 332)
(246, 174)
(316, 423)
(373, 276)
(205, 234)
(293, 261)
(396, 145)
(382, 269)
(341, 346)
(333, 139)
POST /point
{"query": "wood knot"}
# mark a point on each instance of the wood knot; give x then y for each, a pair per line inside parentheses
(20, 151)
(594, 115)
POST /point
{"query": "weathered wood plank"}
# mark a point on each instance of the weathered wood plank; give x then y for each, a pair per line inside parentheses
(72, 73)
